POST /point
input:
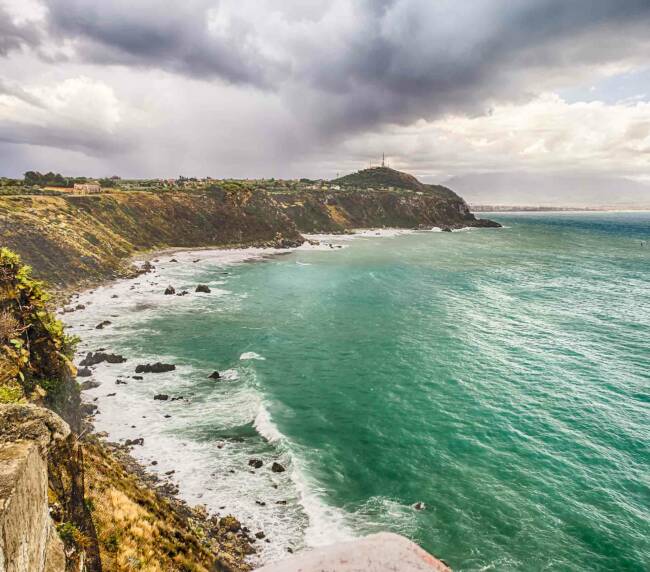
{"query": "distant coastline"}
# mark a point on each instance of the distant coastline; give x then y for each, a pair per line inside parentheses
(528, 208)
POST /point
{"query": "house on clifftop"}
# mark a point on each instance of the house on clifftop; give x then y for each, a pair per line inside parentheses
(87, 188)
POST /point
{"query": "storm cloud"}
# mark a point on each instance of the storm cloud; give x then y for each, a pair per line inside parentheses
(334, 71)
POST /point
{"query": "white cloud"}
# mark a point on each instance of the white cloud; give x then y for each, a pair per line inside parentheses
(545, 133)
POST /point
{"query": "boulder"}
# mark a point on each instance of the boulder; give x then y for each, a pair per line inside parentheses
(161, 397)
(170, 290)
(88, 408)
(84, 372)
(277, 468)
(255, 463)
(259, 535)
(99, 357)
(230, 523)
(214, 375)
(154, 368)
(203, 288)
(89, 384)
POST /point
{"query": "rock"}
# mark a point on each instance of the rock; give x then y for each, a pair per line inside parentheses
(103, 324)
(111, 394)
(259, 535)
(277, 468)
(183, 293)
(203, 288)
(230, 523)
(419, 506)
(99, 357)
(281, 502)
(445, 229)
(80, 307)
(154, 462)
(161, 397)
(84, 372)
(114, 296)
(89, 384)
(178, 398)
(154, 368)
(170, 290)
(120, 382)
(167, 416)
(289, 550)
(88, 408)
(132, 442)
(214, 375)
(260, 503)
(173, 260)
(256, 463)
(168, 473)
(138, 377)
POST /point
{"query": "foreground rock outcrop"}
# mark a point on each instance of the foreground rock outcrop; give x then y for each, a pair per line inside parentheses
(383, 552)
(29, 541)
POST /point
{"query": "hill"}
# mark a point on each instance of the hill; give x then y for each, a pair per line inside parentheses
(390, 179)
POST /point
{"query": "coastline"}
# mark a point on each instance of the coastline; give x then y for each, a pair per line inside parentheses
(139, 463)
(153, 461)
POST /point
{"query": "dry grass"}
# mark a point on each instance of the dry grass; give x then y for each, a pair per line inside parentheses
(139, 530)
(9, 326)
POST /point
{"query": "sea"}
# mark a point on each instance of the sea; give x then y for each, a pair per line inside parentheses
(499, 377)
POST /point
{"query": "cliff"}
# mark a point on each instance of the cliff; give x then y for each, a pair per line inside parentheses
(75, 239)
(68, 501)
(82, 240)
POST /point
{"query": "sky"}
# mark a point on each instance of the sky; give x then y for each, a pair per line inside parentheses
(293, 88)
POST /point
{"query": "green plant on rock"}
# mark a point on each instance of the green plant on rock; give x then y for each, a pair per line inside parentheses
(34, 349)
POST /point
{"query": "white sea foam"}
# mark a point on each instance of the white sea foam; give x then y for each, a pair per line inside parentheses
(178, 435)
(251, 355)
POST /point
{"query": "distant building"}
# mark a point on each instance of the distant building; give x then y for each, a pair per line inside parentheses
(87, 188)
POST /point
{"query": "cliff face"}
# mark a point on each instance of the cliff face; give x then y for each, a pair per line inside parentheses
(68, 501)
(80, 240)
(71, 239)
(337, 211)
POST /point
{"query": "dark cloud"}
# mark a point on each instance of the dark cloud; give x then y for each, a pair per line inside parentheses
(173, 36)
(14, 36)
(336, 68)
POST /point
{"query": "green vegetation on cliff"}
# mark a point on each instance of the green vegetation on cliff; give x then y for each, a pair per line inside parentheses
(34, 350)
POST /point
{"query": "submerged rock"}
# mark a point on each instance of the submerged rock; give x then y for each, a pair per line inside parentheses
(277, 468)
(203, 288)
(154, 368)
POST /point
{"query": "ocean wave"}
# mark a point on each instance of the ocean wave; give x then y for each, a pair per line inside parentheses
(251, 355)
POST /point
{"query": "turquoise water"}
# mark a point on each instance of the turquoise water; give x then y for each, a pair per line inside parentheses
(502, 377)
